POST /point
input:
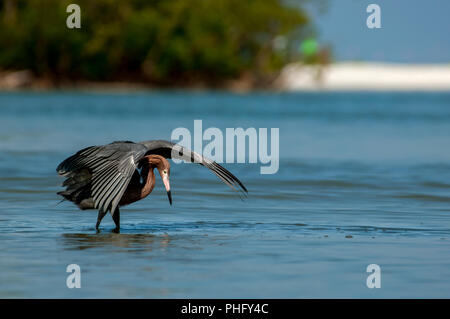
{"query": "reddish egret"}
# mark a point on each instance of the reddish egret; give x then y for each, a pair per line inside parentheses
(109, 176)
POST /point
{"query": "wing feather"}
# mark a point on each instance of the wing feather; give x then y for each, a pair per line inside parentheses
(111, 167)
(170, 150)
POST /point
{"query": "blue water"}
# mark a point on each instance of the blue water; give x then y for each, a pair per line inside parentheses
(363, 179)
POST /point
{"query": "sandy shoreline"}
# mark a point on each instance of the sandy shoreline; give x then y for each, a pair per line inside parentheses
(343, 76)
(354, 76)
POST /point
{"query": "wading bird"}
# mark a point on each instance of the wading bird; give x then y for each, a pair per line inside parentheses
(117, 174)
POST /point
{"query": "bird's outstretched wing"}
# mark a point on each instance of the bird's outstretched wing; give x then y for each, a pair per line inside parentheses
(171, 150)
(111, 167)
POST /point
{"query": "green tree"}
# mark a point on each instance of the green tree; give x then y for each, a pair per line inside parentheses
(159, 41)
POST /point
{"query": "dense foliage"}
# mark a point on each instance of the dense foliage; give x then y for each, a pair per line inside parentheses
(158, 41)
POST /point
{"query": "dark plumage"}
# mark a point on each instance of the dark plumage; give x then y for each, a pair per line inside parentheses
(97, 177)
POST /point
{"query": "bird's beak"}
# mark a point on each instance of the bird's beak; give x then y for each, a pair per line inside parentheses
(169, 194)
(167, 186)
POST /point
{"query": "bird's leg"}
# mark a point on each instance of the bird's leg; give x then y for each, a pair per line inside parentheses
(101, 214)
(116, 219)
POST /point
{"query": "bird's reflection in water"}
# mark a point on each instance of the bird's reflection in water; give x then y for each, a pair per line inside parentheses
(135, 242)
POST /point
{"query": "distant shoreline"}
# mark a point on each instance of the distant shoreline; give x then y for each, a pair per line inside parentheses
(365, 76)
(336, 77)
(24, 80)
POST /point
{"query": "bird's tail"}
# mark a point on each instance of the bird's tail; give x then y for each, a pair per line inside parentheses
(78, 189)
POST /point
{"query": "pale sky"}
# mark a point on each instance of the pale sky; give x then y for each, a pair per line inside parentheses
(411, 30)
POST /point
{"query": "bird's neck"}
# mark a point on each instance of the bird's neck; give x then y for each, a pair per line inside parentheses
(149, 182)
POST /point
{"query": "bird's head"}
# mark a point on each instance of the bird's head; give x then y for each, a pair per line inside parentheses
(163, 167)
(164, 171)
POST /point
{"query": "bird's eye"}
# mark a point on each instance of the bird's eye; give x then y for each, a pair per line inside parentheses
(165, 172)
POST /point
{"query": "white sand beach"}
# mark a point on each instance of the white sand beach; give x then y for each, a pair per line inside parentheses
(354, 76)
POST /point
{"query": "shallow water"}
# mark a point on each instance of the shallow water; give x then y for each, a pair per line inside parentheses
(363, 179)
